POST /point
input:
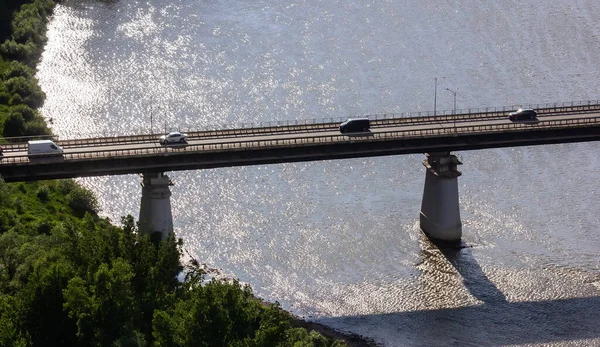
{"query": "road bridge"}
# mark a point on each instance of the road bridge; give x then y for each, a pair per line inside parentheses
(438, 136)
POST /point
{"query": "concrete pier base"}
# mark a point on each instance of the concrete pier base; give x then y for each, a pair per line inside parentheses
(156, 219)
(440, 211)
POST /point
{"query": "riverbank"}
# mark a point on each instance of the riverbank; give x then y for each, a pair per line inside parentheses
(353, 340)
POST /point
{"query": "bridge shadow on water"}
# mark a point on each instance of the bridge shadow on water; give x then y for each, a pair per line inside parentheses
(496, 322)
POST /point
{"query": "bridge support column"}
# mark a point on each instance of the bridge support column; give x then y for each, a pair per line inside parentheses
(156, 219)
(440, 211)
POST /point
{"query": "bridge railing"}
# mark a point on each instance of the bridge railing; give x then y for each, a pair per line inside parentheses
(392, 115)
(332, 124)
(323, 124)
(312, 140)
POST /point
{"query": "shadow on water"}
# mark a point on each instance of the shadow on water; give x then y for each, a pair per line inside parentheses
(540, 322)
(473, 277)
(496, 322)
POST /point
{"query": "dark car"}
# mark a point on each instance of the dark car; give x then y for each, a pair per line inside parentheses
(522, 114)
(355, 125)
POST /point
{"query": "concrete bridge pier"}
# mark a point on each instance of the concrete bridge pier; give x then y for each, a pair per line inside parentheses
(440, 211)
(156, 219)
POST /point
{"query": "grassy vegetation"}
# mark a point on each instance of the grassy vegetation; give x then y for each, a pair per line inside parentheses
(71, 278)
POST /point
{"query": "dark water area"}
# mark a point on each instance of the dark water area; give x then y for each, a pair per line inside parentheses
(494, 322)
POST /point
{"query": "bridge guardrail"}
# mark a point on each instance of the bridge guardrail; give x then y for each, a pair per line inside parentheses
(380, 120)
(379, 136)
(377, 120)
(419, 114)
(312, 127)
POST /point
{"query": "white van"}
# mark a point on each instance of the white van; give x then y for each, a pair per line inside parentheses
(42, 148)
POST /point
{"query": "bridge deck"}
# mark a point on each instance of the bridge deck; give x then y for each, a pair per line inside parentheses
(84, 157)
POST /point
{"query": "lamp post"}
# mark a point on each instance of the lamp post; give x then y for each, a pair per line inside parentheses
(152, 110)
(454, 94)
(435, 96)
(454, 109)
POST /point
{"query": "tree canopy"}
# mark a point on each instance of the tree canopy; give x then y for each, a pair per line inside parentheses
(77, 280)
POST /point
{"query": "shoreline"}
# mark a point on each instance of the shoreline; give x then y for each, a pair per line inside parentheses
(353, 340)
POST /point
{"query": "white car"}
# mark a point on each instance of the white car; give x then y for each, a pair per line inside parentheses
(173, 137)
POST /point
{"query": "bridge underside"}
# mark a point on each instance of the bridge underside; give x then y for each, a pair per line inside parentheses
(357, 146)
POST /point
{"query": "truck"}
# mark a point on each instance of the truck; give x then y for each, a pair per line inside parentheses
(43, 148)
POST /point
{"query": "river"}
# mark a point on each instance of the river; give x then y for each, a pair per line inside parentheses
(338, 242)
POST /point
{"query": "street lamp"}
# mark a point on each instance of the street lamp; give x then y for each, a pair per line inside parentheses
(454, 109)
(435, 96)
(453, 93)
(151, 114)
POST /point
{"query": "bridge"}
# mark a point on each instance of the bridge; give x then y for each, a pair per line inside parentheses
(437, 136)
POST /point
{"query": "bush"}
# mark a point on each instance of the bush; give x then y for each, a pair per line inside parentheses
(28, 25)
(16, 69)
(43, 193)
(4, 98)
(25, 53)
(14, 125)
(43, 227)
(29, 30)
(66, 186)
(27, 112)
(82, 200)
(7, 220)
(16, 99)
(30, 92)
(36, 127)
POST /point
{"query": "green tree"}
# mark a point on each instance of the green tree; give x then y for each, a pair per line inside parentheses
(43, 193)
(17, 69)
(28, 90)
(36, 127)
(82, 200)
(66, 186)
(42, 311)
(29, 23)
(104, 308)
(26, 53)
(14, 125)
(219, 314)
(10, 334)
(27, 112)
(7, 220)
